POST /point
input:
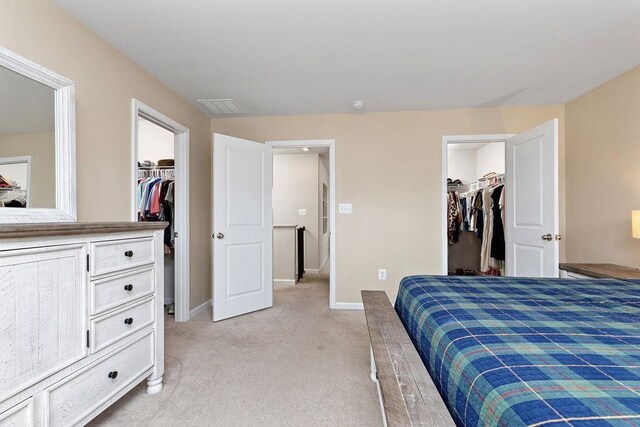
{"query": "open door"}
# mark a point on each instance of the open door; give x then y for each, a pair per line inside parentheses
(531, 229)
(243, 224)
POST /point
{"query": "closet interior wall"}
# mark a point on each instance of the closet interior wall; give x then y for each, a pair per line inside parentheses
(155, 194)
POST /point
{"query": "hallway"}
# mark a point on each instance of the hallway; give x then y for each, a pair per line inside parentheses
(295, 364)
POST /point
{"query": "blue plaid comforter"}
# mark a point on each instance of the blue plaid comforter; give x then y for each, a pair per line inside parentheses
(521, 351)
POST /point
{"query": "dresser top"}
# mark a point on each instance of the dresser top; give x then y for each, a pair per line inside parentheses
(605, 271)
(70, 228)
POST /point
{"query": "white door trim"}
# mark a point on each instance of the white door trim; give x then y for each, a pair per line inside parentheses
(181, 144)
(331, 144)
(458, 139)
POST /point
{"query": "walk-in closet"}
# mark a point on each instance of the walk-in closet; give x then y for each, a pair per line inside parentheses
(476, 208)
(156, 192)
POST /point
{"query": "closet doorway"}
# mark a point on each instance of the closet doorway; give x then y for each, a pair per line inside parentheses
(475, 208)
(160, 152)
(524, 201)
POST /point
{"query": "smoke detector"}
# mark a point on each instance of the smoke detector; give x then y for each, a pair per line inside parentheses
(221, 107)
(357, 105)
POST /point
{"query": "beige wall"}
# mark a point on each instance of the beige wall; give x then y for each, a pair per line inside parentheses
(389, 167)
(41, 148)
(295, 186)
(603, 172)
(105, 83)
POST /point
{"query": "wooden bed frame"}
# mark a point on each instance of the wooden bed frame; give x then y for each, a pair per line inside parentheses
(407, 394)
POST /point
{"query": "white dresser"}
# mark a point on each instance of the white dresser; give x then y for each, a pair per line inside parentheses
(81, 318)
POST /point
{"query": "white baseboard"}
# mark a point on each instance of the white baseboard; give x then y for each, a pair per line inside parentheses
(349, 306)
(312, 270)
(284, 281)
(199, 309)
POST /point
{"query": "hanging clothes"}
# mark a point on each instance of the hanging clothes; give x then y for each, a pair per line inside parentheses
(155, 201)
(485, 252)
(497, 238)
(479, 212)
(454, 217)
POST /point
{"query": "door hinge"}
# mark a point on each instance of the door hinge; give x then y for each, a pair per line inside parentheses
(175, 234)
(87, 338)
(87, 262)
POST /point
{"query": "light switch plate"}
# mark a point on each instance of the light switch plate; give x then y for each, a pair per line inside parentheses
(302, 212)
(345, 208)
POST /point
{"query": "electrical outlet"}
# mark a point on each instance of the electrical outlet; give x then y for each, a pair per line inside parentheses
(382, 274)
(345, 208)
(302, 212)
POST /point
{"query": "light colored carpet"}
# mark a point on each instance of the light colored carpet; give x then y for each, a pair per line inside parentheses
(296, 364)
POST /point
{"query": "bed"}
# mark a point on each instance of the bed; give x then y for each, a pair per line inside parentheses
(521, 351)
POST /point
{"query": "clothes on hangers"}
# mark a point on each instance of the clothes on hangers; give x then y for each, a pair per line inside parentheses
(454, 216)
(481, 210)
(478, 211)
(497, 238)
(155, 199)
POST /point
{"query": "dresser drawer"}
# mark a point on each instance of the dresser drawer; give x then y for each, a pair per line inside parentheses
(74, 398)
(121, 289)
(110, 328)
(20, 415)
(118, 255)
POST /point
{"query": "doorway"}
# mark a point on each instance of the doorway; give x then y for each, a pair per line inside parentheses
(301, 237)
(160, 152)
(242, 234)
(475, 211)
(315, 195)
(528, 203)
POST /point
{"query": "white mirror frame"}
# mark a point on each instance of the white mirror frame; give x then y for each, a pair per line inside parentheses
(65, 150)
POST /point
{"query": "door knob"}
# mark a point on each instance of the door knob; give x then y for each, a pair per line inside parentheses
(218, 236)
(558, 236)
(547, 237)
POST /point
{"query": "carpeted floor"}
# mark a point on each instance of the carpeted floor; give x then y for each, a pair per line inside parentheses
(296, 364)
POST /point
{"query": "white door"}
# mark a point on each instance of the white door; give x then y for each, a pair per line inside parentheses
(531, 230)
(243, 223)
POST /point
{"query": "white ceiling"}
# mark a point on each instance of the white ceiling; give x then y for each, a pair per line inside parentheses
(26, 106)
(303, 56)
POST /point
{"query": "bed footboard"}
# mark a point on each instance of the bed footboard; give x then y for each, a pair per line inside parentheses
(407, 394)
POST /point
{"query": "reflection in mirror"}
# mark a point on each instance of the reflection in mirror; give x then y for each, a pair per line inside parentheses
(27, 142)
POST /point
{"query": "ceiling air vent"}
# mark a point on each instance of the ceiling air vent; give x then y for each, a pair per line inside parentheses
(221, 106)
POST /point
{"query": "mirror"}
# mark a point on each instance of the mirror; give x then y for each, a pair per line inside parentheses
(27, 142)
(37, 143)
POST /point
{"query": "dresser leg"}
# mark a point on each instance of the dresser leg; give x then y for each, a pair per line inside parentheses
(154, 385)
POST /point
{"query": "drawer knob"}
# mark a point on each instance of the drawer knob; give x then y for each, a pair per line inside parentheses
(128, 287)
(128, 320)
(113, 375)
(128, 254)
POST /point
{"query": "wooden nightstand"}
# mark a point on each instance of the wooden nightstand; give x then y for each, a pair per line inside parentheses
(603, 271)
